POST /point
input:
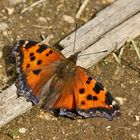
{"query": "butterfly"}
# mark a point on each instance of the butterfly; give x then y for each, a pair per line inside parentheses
(69, 90)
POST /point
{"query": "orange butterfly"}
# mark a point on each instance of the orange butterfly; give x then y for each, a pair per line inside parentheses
(69, 90)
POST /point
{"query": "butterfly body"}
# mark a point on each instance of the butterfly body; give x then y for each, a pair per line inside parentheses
(67, 66)
(69, 90)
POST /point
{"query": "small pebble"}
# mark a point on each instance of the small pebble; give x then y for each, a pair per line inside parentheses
(3, 26)
(10, 11)
(133, 136)
(137, 118)
(79, 120)
(108, 127)
(68, 19)
(46, 116)
(42, 19)
(22, 130)
(130, 113)
(120, 100)
(122, 85)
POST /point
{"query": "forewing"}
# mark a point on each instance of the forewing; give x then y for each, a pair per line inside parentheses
(35, 64)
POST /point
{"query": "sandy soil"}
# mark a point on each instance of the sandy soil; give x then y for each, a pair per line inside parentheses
(49, 19)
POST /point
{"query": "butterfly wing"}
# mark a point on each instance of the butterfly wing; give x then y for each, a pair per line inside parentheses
(36, 63)
(61, 97)
(80, 95)
(93, 99)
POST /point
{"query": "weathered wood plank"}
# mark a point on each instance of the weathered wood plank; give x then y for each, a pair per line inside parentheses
(8, 94)
(13, 109)
(111, 41)
(11, 106)
(104, 21)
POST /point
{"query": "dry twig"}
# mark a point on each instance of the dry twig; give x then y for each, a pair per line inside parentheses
(42, 27)
(47, 39)
(31, 6)
(118, 57)
(82, 7)
(134, 45)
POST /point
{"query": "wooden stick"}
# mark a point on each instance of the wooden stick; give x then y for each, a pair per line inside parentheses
(11, 106)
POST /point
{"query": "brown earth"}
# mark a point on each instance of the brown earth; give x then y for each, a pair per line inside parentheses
(122, 80)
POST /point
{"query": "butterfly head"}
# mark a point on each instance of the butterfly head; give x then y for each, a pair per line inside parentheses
(68, 66)
(71, 65)
(74, 56)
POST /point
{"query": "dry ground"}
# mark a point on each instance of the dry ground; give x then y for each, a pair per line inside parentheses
(123, 81)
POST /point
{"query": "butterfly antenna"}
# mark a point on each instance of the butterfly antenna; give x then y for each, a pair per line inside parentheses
(75, 38)
(94, 53)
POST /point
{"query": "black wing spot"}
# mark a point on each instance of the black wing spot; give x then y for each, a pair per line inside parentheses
(89, 97)
(95, 98)
(41, 48)
(50, 52)
(39, 62)
(31, 54)
(30, 44)
(47, 54)
(88, 82)
(82, 102)
(81, 90)
(108, 99)
(36, 72)
(89, 78)
(32, 58)
(98, 87)
(28, 65)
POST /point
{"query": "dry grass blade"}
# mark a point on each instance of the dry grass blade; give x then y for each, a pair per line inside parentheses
(118, 58)
(42, 27)
(82, 7)
(47, 39)
(31, 6)
(135, 47)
